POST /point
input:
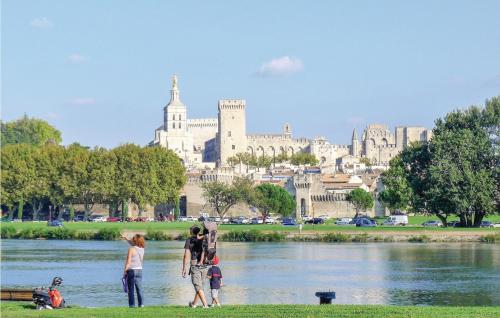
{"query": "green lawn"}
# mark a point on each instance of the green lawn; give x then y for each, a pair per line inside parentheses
(13, 310)
(178, 227)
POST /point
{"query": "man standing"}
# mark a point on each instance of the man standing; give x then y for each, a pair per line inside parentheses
(193, 251)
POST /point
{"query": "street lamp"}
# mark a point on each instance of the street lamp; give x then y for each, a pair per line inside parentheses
(50, 212)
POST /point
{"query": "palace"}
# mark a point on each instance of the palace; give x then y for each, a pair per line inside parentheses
(209, 142)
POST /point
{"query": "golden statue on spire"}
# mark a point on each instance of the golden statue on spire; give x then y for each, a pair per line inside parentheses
(174, 81)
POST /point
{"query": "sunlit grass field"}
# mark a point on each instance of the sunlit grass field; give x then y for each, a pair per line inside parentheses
(16, 310)
(179, 227)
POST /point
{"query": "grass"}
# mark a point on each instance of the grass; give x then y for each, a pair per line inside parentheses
(177, 227)
(11, 310)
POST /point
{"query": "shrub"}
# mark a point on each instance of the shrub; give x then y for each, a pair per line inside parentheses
(60, 233)
(335, 237)
(8, 232)
(419, 239)
(155, 235)
(252, 236)
(182, 237)
(491, 238)
(107, 234)
(360, 237)
(85, 236)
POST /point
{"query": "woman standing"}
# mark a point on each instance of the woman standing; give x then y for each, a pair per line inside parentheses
(133, 269)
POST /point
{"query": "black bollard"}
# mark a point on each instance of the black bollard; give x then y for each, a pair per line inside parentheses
(325, 298)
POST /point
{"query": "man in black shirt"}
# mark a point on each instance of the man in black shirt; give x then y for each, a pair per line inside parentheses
(193, 252)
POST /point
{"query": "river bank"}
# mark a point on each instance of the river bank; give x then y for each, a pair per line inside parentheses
(14, 310)
(262, 234)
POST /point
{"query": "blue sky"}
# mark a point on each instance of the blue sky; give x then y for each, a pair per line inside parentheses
(100, 71)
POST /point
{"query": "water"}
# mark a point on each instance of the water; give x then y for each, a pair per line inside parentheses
(268, 273)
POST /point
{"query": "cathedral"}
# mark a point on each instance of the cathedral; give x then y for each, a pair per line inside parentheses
(209, 142)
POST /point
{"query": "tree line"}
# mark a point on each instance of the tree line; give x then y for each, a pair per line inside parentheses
(267, 198)
(300, 158)
(69, 175)
(456, 173)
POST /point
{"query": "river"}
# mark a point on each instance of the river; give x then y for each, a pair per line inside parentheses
(465, 274)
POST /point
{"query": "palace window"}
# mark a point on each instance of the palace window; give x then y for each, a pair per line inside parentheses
(173, 117)
(229, 134)
(234, 147)
(180, 117)
(180, 125)
(173, 125)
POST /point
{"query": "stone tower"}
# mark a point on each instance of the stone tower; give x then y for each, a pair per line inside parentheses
(231, 137)
(175, 113)
(287, 131)
(355, 144)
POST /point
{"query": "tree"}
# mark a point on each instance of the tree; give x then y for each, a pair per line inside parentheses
(361, 200)
(366, 161)
(50, 167)
(18, 175)
(29, 131)
(303, 158)
(272, 199)
(397, 193)
(222, 197)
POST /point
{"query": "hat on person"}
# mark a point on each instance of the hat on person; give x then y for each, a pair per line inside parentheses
(216, 260)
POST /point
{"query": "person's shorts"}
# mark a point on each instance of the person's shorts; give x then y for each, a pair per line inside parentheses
(198, 276)
(215, 293)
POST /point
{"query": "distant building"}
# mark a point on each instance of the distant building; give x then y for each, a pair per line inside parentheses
(209, 142)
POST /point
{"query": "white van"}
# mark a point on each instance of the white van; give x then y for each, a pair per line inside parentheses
(396, 220)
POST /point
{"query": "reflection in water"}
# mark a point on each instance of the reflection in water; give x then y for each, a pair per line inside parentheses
(388, 273)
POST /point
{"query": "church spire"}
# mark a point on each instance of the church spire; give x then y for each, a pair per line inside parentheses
(354, 134)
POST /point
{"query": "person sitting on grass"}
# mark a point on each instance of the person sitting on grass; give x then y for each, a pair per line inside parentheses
(215, 275)
(133, 269)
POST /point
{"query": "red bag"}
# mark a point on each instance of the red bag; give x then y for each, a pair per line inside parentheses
(55, 298)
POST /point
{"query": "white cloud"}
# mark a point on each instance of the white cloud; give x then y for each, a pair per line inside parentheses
(82, 101)
(281, 66)
(77, 58)
(41, 23)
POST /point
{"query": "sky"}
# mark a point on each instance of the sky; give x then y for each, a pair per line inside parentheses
(100, 71)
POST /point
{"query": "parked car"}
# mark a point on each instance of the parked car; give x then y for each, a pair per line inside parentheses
(97, 218)
(113, 219)
(324, 217)
(79, 218)
(257, 220)
(432, 223)
(226, 220)
(191, 219)
(270, 220)
(365, 222)
(316, 221)
(453, 224)
(496, 224)
(182, 219)
(214, 219)
(396, 220)
(359, 217)
(306, 218)
(343, 221)
(486, 224)
(288, 221)
(56, 223)
(240, 220)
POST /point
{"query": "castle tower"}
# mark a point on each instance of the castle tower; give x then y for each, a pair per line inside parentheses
(231, 136)
(175, 113)
(287, 131)
(355, 144)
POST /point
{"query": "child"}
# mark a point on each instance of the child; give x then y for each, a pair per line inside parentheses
(215, 276)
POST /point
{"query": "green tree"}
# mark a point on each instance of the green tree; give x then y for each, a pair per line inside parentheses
(397, 193)
(222, 197)
(361, 200)
(366, 161)
(29, 131)
(303, 158)
(50, 167)
(272, 199)
(18, 174)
